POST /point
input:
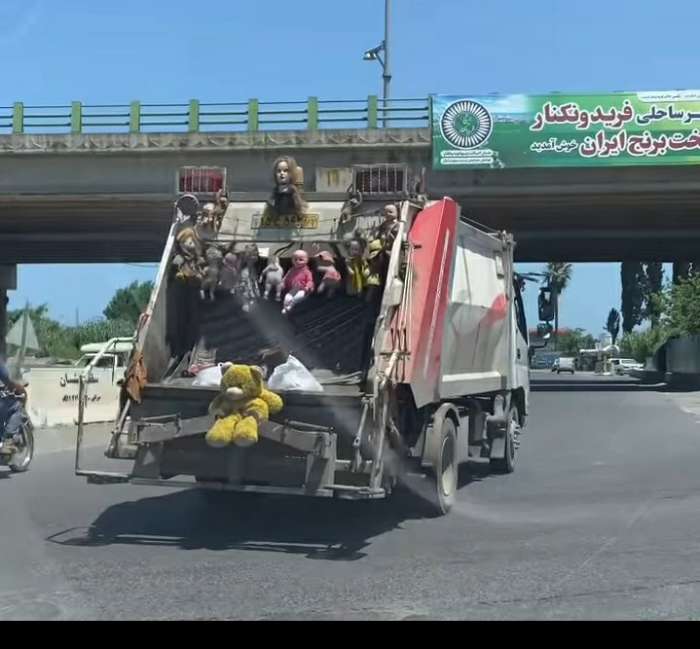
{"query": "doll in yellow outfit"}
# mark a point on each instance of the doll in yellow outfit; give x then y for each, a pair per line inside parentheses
(357, 269)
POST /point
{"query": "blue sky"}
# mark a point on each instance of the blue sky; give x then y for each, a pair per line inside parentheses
(103, 52)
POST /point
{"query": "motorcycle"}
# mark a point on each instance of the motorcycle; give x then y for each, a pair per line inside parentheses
(19, 461)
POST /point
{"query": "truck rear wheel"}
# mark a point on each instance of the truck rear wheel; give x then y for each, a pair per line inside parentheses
(506, 464)
(438, 489)
(447, 475)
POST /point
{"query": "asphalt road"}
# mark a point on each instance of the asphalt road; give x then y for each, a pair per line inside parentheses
(599, 521)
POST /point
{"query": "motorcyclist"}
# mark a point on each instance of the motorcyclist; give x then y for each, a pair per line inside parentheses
(10, 411)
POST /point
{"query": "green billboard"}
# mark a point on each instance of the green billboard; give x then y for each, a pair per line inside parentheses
(563, 130)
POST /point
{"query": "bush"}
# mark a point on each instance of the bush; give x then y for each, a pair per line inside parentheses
(640, 345)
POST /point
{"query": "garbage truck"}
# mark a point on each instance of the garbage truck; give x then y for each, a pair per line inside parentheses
(396, 387)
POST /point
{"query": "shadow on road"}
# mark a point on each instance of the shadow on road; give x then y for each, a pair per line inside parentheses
(326, 529)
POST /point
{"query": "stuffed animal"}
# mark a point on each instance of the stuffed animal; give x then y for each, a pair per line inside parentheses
(272, 276)
(212, 272)
(298, 282)
(229, 272)
(330, 277)
(244, 402)
(188, 260)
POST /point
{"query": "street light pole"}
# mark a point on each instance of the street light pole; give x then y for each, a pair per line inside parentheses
(387, 57)
(374, 55)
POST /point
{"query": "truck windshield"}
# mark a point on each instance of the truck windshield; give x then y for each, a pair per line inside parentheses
(106, 361)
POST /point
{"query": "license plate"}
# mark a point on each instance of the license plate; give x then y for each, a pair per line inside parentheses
(283, 221)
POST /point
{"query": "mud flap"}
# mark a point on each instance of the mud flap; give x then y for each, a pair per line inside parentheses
(497, 425)
(498, 448)
(431, 449)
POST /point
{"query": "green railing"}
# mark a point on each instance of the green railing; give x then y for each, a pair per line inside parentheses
(196, 117)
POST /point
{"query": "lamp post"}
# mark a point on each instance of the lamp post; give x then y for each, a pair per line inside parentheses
(375, 55)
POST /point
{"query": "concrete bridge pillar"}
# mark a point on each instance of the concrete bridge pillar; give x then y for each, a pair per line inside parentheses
(8, 282)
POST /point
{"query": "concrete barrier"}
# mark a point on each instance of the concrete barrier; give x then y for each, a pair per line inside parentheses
(683, 362)
(53, 395)
(683, 355)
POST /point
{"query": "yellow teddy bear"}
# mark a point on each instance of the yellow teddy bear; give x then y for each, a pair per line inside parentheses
(243, 403)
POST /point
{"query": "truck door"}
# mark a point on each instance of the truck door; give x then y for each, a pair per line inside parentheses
(522, 362)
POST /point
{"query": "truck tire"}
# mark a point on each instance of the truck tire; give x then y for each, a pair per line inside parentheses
(437, 489)
(506, 464)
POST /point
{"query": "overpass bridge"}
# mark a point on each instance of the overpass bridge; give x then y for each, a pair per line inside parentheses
(95, 183)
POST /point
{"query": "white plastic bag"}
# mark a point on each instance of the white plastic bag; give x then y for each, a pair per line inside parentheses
(292, 375)
(209, 377)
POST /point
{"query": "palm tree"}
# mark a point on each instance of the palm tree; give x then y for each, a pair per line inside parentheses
(557, 275)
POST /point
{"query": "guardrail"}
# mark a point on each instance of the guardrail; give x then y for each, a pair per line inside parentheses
(197, 117)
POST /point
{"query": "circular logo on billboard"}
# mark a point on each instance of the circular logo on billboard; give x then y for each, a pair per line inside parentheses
(466, 124)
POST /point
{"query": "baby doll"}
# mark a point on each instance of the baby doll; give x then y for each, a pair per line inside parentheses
(330, 277)
(272, 276)
(188, 260)
(229, 272)
(247, 288)
(286, 198)
(206, 223)
(220, 208)
(298, 282)
(212, 272)
(357, 267)
(374, 271)
(388, 229)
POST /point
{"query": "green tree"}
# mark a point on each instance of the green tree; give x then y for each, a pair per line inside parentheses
(129, 303)
(681, 306)
(52, 336)
(633, 282)
(612, 326)
(570, 341)
(36, 313)
(557, 275)
(653, 285)
(681, 270)
(64, 342)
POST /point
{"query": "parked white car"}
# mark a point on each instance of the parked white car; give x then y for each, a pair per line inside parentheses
(622, 366)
